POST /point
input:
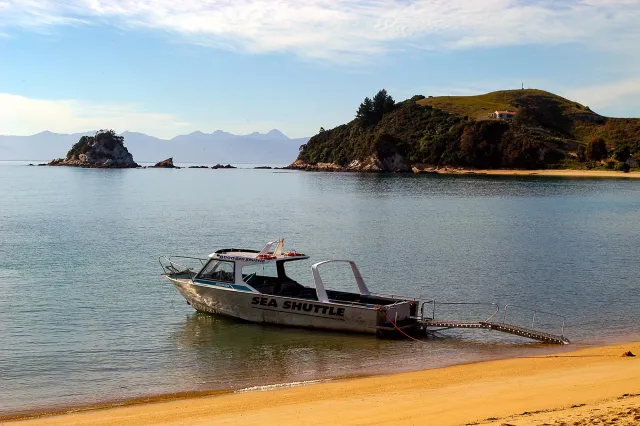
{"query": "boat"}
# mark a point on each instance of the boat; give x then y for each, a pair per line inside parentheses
(253, 285)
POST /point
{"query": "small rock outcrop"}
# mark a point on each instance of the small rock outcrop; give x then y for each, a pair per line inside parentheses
(263, 168)
(394, 163)
(318, 167)
(198, 167)
(104, 150)
(220, 166)
(166, 164)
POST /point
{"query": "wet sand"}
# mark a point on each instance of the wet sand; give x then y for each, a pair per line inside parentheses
(550, 173)
(589, 386)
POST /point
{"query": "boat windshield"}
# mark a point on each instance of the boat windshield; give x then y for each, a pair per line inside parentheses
(217, 270)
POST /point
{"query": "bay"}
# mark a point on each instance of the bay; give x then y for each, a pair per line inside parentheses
(85, 317)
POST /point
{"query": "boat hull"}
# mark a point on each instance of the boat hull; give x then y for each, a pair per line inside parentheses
(281, 310)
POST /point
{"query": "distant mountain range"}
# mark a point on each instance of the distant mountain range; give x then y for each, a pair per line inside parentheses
(218, 147)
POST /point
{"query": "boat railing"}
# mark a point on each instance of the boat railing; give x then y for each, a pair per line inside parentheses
(433, 304)
(534, 313)
(400, 297)
(512, 318)
(170, 266)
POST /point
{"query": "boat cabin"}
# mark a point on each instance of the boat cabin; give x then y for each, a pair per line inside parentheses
(264, 272)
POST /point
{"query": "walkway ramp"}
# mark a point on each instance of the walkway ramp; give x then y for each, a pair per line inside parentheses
(505, 328)
(497, 325)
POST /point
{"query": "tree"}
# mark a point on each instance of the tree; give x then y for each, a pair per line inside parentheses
(582, 153)
(622, 153)
(365, 112)
(525, 117)
(108, 138)
(372, 110)
(382, 103)
(596, 149)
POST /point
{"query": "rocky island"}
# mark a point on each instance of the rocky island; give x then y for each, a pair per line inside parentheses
(510, 129)
(104, 150)
(165, 164)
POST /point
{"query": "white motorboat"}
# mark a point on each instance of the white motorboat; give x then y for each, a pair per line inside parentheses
(253, 285)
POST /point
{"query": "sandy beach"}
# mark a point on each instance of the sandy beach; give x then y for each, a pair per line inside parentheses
(546, 172)
(588, 386)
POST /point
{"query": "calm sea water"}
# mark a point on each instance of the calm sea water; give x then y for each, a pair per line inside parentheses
(85, 316)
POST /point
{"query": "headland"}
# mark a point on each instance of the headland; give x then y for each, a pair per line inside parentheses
(509, 129)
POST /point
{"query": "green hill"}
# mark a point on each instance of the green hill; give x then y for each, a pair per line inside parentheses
(477, 107)
(548, 131)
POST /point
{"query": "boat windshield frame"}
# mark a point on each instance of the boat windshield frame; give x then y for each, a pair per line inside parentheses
(239, 259)
(319, 284)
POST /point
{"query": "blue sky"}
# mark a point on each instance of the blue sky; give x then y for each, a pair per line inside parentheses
(165, 68)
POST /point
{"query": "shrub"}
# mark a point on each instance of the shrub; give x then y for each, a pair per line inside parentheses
(80, 147)
(623, 167)
(596, 149)
(622, 153)
(108, 138)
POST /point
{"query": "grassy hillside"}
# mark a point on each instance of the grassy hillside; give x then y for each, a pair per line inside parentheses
(571, 119)
(548, 131)
(477, 107)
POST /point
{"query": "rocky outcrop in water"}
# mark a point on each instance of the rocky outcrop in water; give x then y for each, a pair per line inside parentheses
(317, 167)
(220, 166)
(166, 164)
(104, 150)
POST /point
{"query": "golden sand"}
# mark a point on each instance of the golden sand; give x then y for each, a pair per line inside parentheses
(589, 386)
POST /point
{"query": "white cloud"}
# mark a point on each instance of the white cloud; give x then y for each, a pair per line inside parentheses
(349, 29)
(20, 115)
(609, 98)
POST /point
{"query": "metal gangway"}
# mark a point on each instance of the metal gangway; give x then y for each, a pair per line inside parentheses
(494, 322)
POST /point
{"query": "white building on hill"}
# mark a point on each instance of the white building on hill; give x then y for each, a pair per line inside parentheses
(503, 115)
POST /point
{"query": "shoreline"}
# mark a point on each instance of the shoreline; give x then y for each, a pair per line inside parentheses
(178, 395)
(332, 168)
(542, 172)
(516, 389)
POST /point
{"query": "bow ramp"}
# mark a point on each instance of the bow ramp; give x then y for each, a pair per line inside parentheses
(496, 323)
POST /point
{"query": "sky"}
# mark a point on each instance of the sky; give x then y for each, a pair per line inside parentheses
(167, 67)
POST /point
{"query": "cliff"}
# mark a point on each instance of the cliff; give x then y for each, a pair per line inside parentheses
(422, 133)
(104, 150)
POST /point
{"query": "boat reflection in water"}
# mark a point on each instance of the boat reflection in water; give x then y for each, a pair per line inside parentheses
(227, 354)
(222, 353)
